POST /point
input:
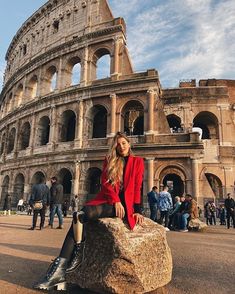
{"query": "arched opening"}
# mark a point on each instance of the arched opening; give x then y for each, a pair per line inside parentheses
(215, 184)
(175, 184)
(208, 122)
(68, 125)
(133, 118)
(24, 136)
(99, 129)
(43, 131)
(19, 95)
(65, 178)
(101, 64)
(174, 123)
(18, 189)
(50, 79)
(93, 182)
(11, 140)
(5, 188)
(32, 86)
(38, 177)
(3, 142)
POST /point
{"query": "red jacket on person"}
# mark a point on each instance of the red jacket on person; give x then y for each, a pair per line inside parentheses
(133, 178)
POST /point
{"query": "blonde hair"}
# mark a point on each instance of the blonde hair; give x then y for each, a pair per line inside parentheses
(115, 162)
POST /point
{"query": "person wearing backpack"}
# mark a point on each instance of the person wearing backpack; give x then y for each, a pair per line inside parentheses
(39, 201)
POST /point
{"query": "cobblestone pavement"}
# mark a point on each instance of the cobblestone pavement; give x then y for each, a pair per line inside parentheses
(203, 262)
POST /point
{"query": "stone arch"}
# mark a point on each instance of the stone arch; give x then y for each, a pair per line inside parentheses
(215, 184)
(24, 137)
(3, 143)
(132, 118)
(50, 79)
(97, 121)
(37, 177)
(65, 178)
(5, 188)
(73, 71)
(32, 87)
(98, 54)
(175, 177)
(43, 131)
(93, 182)
(68, 126)
(18, 95)
(11, 140)
(174, 122)
(18, 188)
(209, 124)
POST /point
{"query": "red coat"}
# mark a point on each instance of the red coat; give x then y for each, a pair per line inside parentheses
(133, 178)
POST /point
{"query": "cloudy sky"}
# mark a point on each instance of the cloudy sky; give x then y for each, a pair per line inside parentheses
(182, 39)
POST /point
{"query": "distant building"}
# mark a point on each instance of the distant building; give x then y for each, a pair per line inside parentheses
(58, 117)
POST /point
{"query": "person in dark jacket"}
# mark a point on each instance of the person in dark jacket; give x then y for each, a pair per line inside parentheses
(7, 205)
(57, 195)
(230, 207)
(41, 196)
(152, 200)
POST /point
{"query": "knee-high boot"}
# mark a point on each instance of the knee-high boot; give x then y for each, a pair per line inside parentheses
(55, 276)
(79, 246)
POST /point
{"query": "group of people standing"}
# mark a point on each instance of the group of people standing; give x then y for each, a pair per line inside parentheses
(175, 216)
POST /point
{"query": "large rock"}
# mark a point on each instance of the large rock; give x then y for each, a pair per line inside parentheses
(117, 260)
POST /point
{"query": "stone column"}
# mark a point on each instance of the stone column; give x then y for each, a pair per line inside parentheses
(117, 42)
(76, 178)
(113, 98)
(15, 150)
(225, 135)
(32, 134)
(151, 96)
(84, 70)
(150, 173)
(60, 77)
(52, 138)
(79, 127)
(195, 176)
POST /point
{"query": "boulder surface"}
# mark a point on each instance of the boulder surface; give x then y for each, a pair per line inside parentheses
(118, 260)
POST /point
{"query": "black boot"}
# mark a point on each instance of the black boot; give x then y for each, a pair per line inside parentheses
(55, 276)
(77, 257)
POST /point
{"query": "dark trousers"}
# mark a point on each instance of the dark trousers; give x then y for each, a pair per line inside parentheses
(153, 212)
(230, 214)
(42, 213)
(91, 213)
(164, 215)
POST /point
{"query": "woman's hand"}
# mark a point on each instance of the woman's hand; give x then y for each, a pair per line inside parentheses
(119, 210)
(139, 218)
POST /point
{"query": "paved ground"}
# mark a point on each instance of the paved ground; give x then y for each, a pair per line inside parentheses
(203, 262)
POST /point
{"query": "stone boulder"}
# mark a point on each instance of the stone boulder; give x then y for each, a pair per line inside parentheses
(117, 260)
(196, 225)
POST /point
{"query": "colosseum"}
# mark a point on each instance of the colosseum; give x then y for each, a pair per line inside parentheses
(58, 115)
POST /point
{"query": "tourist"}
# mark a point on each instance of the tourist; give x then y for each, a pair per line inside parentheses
(121, 179)
(57, 195)
(39, 200)
(222, 214)
(7, 204)
(207, 213)
(190, 213)
(153, 200)
(172, 225)
(165, 206)
(230, 209)
(20, 205)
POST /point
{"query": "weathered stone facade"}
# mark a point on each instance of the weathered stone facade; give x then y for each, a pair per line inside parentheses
(51, 124)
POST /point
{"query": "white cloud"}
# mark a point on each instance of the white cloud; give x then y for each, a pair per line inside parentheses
(181, 38)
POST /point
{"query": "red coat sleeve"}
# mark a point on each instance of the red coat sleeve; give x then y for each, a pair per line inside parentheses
(138, 180)
(108, 190)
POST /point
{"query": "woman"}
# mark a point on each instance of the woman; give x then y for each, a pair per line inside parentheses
(120, 196)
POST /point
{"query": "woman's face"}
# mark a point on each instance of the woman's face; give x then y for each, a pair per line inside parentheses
(123, 147)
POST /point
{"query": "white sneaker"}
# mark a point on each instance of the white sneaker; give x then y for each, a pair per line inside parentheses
(184, 231)
(166, 229)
